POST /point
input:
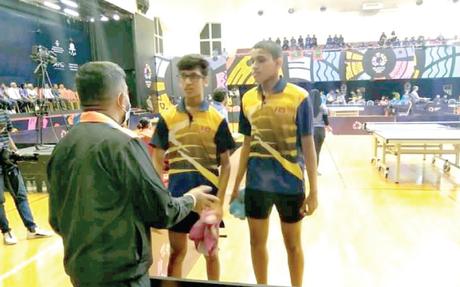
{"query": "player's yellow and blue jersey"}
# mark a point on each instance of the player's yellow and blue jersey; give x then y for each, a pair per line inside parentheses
(193, 144)
(275, 123)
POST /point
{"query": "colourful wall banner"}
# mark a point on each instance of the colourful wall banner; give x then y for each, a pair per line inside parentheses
(357, 64)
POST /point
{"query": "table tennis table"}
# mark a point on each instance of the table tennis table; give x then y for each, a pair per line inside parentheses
(422, 138)
(345, 111)
(35, 171)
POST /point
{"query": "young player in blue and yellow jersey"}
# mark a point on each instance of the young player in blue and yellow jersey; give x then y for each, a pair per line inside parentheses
(276, 121)
(195, 139)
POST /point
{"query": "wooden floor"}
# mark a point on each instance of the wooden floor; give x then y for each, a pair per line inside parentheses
(367, 231)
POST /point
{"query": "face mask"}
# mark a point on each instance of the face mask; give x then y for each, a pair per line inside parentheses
(127, 115)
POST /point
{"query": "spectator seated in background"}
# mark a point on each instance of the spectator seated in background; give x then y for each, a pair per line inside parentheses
(392, 104)
(68, 97)
(5, 102)
(13, 92)
(441, 40)
(414, 98)
(353, 98)
(421, 41)
(285, 44)
(329, 42)
(383, 101)
(29, 104)
(396, 100)
(308, 42)
(31, 92)
(15, 97)
(341, 41)
(314, 42)
(438, 100)
(331, 96)
(383, 39)
(335, 41)
(406, 42)
(47, 94)
(405, 99)
(293, 43)
(341, 99)
(60, 101)
(393, 39)
(300, 43)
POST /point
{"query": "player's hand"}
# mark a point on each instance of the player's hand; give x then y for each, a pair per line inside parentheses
(309, 205)
(219, 211)
(329, 129)
(203, 199)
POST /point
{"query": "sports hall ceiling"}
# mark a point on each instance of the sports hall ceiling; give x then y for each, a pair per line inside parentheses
(337, 5)
(88, 10)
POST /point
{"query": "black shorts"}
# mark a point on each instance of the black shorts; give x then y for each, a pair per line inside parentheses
(186, 224)
(258, 205)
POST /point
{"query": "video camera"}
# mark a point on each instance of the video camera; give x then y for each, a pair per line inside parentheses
(43, 55)
(9, 159)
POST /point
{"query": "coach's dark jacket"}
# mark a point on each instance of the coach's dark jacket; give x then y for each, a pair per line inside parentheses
(104, 196)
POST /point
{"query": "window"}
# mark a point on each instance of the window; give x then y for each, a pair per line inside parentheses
(211, 39)
(158, 36)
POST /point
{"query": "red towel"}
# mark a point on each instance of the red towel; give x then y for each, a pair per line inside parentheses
(205, 233)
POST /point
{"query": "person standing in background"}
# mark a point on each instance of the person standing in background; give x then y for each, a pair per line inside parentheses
(320, 122)
(219, 98)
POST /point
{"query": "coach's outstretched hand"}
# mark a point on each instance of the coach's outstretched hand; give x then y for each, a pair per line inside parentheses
(203, 199)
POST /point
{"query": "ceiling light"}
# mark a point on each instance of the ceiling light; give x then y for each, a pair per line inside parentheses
(71, 12)
(104, 18)
(52, 5)
(116, 17)
(91, 20)
(70, 3)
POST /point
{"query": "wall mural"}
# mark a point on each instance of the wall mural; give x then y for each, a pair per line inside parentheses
(239, 71)
(160, 88)
(441, 62)
(357, 64)
(315, 66)
(379, 64)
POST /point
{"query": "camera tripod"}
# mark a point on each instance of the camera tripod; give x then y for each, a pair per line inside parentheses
(43, 80)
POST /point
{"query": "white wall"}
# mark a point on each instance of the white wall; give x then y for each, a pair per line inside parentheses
(182, 22)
